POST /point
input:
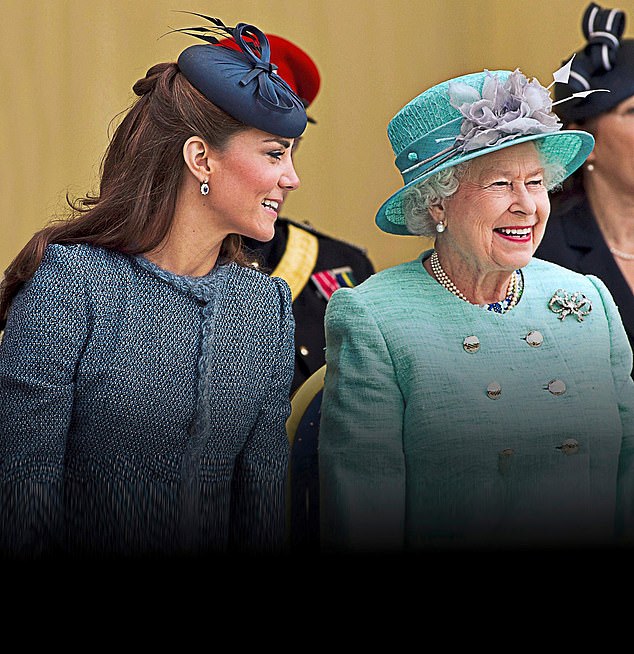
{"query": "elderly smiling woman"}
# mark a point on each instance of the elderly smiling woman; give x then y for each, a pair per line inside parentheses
(476, 397)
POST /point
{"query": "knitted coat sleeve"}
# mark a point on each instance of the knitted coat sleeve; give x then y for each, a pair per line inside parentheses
(259, 485)
(361, 460)
(39, 352)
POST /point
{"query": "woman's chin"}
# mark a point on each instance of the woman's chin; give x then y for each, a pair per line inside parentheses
(263, 235)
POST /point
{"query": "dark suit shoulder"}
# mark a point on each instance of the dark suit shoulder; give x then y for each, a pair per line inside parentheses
(305, 225)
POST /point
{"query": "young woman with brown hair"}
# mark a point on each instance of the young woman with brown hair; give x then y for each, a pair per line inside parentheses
(145, 369)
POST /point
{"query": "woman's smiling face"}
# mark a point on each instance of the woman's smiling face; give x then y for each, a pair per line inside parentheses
(497, 217)
(249, 181)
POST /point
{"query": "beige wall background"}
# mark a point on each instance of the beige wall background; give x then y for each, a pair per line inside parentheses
(68, 66)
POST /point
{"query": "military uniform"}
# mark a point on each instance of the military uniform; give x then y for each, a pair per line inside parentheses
(314, 265)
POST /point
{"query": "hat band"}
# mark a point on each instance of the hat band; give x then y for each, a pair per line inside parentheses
(429, 151)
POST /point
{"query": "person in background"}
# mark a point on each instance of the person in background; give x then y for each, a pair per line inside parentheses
(314, 264)
(145, 367)
(591, 228)
(477, 398)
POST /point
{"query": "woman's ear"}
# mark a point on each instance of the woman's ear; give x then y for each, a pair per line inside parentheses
(197, 156)
(437, 212)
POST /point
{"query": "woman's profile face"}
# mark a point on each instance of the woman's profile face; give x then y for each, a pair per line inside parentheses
(250, 178)
(496, 218)
(613, 154)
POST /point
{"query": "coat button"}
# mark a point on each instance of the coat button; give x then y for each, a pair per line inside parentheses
(303, 350)
(569, 446)
(471, 344)
(494, 390)
(534, 338)
(556, 387)
(504, 460)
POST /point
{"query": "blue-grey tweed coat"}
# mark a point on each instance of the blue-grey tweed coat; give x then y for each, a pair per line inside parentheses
(143, 412)
(430, 441)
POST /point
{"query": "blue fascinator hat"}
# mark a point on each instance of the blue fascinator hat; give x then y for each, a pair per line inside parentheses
(606, 62)
(242, 81)
(470, 116)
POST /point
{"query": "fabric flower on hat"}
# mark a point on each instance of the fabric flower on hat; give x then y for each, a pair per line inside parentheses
(503, 111)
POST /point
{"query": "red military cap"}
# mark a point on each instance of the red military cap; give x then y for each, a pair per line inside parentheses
(295, 67)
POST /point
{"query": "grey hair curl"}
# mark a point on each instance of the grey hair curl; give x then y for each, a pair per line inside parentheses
(432, 191)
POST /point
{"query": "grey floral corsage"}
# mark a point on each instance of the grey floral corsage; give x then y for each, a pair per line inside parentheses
(504, 110)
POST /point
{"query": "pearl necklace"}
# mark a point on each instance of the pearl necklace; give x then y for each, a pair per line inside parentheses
(513, 294)
(443, 278)
(621, 255)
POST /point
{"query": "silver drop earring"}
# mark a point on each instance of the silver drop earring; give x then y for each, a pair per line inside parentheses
(590, 167)
(440, 227)
(204, 188)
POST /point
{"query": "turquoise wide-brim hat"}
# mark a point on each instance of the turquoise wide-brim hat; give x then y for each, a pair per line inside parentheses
(468, 117)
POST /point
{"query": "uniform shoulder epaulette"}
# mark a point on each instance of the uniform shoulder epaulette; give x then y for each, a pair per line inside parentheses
(309, 228)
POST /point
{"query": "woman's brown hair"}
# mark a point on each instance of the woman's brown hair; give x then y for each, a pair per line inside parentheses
(140, 176)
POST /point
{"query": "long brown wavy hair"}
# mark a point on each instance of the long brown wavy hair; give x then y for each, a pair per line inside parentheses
(140, 175)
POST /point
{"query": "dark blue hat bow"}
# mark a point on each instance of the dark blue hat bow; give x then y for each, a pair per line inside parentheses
(273, 90)
(605, 62)
(239, 77)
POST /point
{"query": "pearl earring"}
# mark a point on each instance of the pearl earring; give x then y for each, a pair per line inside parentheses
(204, 188)
(440, 227)
(590, 167)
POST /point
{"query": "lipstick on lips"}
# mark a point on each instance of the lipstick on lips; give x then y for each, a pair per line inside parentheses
(516, 234)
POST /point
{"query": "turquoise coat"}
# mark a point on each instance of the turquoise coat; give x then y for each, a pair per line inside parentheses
(524, 438)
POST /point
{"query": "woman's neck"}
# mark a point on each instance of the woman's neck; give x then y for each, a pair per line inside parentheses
(476, 287)
(186, 251)
(192, 244)
(182, 261)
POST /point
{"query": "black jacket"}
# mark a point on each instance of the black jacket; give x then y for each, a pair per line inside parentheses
(573, 240)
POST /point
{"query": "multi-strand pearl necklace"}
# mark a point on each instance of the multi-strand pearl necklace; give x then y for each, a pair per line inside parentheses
(512, 296)
(443, 278)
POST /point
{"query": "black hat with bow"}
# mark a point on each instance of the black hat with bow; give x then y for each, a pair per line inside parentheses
(606, 62)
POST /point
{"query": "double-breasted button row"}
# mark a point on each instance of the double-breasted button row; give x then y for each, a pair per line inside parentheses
(569, 447)
(534, 338)
(554, 386)
(471, 343)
